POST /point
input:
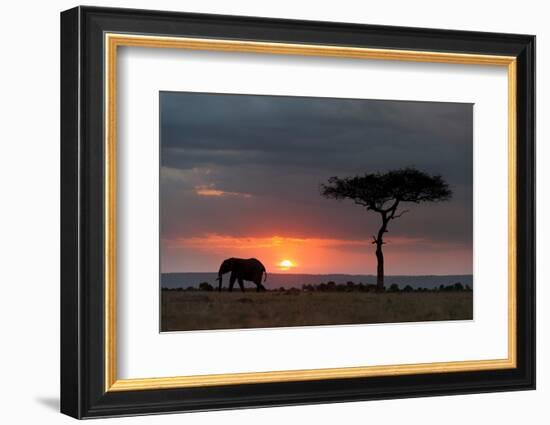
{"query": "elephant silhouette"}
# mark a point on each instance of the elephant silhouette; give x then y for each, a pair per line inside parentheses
(242, 269)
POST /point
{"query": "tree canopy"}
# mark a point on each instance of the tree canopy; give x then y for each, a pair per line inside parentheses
(381, 192)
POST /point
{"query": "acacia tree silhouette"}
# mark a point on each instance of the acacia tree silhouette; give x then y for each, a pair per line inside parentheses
(384, 193)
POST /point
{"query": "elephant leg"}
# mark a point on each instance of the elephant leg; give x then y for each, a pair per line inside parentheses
(232, 280)
(259, 286)
(241, 284)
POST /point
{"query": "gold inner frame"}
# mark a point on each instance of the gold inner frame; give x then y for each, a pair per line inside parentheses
(113, 41)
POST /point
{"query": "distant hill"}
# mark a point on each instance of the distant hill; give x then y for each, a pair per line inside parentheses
(289, 280)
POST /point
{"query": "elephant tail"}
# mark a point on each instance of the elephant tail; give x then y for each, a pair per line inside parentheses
(265, 275)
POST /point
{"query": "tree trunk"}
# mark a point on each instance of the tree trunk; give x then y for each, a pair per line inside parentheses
(379, 267)
(379, 241)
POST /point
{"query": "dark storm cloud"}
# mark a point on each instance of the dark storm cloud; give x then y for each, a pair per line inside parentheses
(277, 150)
(336, 134)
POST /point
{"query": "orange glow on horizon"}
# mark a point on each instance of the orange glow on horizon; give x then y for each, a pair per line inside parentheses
(403, 255)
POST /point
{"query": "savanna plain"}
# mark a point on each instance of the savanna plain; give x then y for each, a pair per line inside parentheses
(208, 310)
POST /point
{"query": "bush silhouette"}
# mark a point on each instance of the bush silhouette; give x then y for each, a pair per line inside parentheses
(394, 287)
(205, 286)
(458, 286)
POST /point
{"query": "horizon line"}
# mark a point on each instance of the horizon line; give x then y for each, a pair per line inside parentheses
(336, 273)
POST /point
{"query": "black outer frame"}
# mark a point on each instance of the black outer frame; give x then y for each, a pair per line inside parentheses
(82, 219)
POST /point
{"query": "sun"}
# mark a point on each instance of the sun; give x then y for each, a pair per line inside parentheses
(286, 265)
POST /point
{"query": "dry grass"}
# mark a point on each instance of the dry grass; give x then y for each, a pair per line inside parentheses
(183, 311)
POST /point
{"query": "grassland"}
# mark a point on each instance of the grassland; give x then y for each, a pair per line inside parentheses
(201, 310)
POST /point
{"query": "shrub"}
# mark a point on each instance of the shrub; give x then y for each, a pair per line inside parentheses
(205, 286)
(393, 288)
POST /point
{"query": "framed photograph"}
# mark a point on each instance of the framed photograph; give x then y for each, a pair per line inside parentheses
(261, 212)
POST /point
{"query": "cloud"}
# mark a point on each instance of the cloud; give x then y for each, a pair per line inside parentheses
(210, 190)
(220, 241)
(346, 135)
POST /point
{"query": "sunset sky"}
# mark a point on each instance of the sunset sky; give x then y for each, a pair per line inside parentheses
(240, 177)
